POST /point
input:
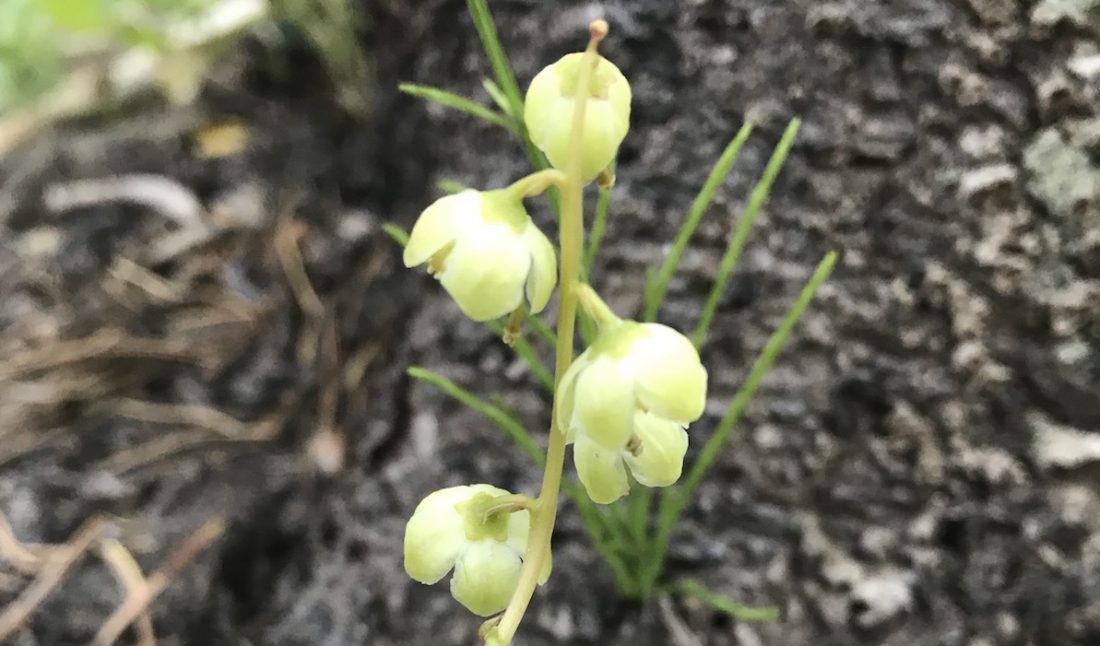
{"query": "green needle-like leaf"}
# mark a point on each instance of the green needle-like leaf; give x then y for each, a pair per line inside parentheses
(397, 233)
(741, 235)
(501, 418)
(450, 187)
(673, 502)
(457, 102)
(497, 95)
(506, 80)
(507, 86)
(599, 225)
(542, 329)
(655, 293)
(724, 604)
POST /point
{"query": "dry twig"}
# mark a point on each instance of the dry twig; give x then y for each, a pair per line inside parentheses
(54, 568)
(138, 599)
(129, 576)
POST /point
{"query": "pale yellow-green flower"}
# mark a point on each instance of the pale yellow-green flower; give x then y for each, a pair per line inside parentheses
(449, 529)
(625, 402)
(486, 251)
(548, 112)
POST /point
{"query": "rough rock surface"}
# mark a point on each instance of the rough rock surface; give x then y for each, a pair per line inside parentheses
(920, 468)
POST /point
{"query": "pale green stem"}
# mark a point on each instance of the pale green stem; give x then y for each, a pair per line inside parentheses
(508, 503)
(591, 302)
(572, 244)
(536, 183)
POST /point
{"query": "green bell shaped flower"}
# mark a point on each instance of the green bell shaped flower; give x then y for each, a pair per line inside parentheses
(548, 112)
(625, 402)
(486, 251)
(451, 529)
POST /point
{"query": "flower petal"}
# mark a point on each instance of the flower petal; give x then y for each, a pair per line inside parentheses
(670, 379)
(663, 445)
(440, 224)
(600, 470)
(566, 396)
(435, 535)
(486, 270)
(604, 402)
(544, 268)
(485, 577)
(519, 525)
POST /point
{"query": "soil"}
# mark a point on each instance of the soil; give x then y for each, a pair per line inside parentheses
(921, 467)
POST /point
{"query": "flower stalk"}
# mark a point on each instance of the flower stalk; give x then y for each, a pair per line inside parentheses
(571, 239)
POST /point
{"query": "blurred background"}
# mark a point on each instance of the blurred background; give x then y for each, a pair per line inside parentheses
(204, 330)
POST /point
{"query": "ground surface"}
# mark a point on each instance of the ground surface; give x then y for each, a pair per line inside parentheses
(920, 468)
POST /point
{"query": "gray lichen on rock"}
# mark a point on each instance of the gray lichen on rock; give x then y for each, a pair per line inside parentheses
(1061, 175)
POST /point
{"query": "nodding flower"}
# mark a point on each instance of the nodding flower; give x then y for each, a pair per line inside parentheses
(548, 112)
(486, 251)
(451, 529)
(626, 401)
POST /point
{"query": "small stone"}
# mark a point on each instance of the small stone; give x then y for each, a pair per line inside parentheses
(882, 597)
(1085, 67)
(984, 179)
(1062, 447)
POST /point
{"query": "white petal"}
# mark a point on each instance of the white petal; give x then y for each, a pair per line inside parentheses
(544, 268)
(604, 402)
(600, 470)
(440, 224)
(485, 577)
(519, 525)
(435, 535)
(486, 270)
(663, 445)
(566, 395)
(670, 379)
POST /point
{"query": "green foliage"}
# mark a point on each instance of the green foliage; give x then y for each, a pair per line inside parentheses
(633, 534)
(38, 38)
(739, 612)
(330, 27)
(501, 418)
(460, 103)
(655, 289)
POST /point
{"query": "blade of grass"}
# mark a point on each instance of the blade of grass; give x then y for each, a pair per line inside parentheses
(673, 502)
(450, 187)
(506, 83)
(741, 235)
(542, 329)
(497, 415)
(505, 79)
(599, 225)
(724, 604)
(640, 503)
(497, 95)
(457, 102)
(655, 294)
(397, 233)
(607, 542)
(487, 31)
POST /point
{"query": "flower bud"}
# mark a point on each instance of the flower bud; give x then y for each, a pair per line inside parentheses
(449, 529)
(626, 401)
(486, 251)
(549, 105)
